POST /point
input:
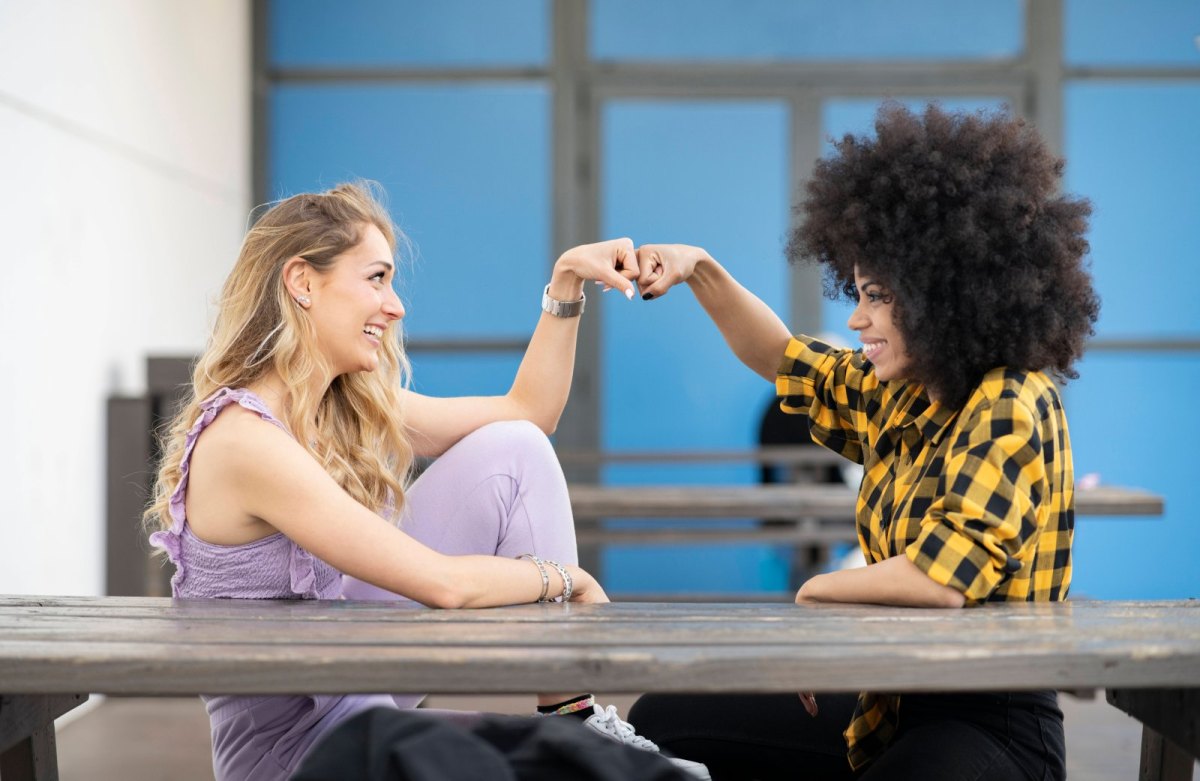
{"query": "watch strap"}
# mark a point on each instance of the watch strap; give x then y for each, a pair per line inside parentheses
(562, 308)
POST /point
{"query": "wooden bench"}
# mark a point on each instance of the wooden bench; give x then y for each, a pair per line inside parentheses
(811, 518)
(54, 651)
(826, 503)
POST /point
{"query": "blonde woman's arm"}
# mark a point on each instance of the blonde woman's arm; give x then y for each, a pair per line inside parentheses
(543, 382)
(273, 479)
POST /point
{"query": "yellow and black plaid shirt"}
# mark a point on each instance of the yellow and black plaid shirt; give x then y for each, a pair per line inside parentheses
(981, 498)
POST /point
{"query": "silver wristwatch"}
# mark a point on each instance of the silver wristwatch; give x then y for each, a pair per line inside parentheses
(562, 308)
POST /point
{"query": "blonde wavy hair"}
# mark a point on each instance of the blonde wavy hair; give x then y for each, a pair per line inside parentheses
(358, 435)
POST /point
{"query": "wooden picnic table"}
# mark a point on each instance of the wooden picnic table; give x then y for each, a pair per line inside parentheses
(56, 650)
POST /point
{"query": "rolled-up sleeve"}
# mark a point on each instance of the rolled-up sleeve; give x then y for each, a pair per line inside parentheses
(985, 522)
(831, 386)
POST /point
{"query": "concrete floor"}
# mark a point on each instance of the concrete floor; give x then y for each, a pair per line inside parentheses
(167, 739)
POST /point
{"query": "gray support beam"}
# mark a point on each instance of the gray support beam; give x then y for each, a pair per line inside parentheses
(575, 205)
(1044, 37)
(260, 96)
(1173, 714)
(128, 488)
(27, 746)
(804, 300)
(576, 209)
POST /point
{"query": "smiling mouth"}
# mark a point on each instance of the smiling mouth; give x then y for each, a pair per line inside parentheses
(374, 331)
(872, 349)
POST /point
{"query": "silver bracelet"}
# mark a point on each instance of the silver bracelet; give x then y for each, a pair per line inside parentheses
(542, 569)
(562, 308)
(568, 582)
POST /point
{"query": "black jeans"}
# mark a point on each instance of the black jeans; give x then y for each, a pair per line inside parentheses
(994, 736)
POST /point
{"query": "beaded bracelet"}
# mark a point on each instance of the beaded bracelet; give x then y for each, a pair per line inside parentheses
(568, 583)
(542, 569)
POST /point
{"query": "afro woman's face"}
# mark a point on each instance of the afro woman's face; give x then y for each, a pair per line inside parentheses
(882, 343)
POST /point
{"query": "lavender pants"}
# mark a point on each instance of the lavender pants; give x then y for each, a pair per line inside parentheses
(499, 491)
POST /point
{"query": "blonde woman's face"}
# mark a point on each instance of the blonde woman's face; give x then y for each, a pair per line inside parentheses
(354, 306)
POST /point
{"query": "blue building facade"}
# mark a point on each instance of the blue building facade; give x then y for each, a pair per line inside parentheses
(505, 132)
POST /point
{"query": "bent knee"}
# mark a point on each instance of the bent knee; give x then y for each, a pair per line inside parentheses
(508, 433)
(509, 438)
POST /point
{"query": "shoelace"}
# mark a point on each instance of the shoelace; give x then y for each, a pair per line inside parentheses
(608, 721)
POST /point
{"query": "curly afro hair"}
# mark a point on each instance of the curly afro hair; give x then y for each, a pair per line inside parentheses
(958, 216)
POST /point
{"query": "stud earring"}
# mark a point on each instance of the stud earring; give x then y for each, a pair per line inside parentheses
(304, 301)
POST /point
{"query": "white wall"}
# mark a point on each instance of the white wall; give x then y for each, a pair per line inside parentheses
(124, 189)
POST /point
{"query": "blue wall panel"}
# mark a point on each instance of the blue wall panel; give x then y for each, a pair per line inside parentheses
(1134, 150)
(1131, 149)
(412, 33)
(714, 175)
(467, 173)
(1132, 32)
(1132, 423)
(805, 29)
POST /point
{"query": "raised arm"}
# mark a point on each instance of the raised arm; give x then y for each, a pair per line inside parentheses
(273, 479)
(755, 333)
(543, 382)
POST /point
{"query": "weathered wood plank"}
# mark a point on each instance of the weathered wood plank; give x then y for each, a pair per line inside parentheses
(774, 501)
(27, 748)
(790, 626)
(35, 758)
(784, 455)
(1162, 760)
(131, 646)
(153, 669)
(1151, 611)
(828, 502)
(758, 534)
(1171, 713)
(20, 716)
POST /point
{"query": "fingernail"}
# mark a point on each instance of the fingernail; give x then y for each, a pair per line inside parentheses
(647, 296)
(629, 293)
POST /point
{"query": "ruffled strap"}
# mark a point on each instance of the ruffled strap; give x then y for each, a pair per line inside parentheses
(301, 569)
(168, 539)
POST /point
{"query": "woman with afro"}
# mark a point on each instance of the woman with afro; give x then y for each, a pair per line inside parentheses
(972, 298)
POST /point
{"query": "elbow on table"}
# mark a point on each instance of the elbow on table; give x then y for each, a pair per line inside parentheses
(950, 598)
(449, 589)
(446, 597)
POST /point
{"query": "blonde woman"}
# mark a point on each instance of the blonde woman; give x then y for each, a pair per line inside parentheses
(283, 476)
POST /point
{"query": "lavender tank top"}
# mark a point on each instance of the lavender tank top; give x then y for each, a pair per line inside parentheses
(261, 738)
(273, 567)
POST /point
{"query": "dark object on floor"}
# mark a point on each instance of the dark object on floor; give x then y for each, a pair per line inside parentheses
(383, 744)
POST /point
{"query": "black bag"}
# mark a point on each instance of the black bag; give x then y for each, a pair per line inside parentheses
(386, 744)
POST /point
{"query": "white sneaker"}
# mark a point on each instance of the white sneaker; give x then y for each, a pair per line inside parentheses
(610, 725)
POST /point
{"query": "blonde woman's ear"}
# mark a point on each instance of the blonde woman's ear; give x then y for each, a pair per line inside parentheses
(295, 279)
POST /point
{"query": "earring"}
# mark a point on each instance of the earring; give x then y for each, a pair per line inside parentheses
(304, 301)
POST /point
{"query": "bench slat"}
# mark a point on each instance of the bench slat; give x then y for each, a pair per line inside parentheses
(829, 502)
